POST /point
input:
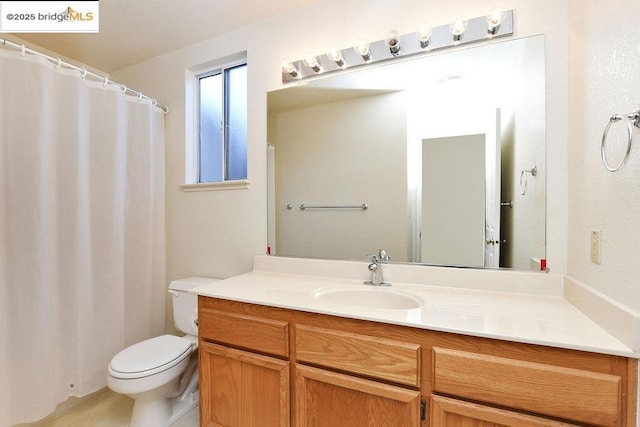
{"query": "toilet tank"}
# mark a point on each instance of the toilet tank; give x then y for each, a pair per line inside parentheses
(185, 305)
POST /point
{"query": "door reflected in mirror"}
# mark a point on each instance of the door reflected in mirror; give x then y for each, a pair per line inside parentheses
(434, 147)
(451, 221)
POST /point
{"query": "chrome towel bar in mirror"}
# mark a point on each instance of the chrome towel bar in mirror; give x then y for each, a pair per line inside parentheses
(304, 206)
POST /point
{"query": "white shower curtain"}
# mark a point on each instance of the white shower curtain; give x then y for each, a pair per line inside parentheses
(81, 232)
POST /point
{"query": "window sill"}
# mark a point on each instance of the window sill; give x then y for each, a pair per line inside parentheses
(242, 184)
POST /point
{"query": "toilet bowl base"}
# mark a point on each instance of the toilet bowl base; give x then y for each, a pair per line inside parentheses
(151, 413)
(162, 412)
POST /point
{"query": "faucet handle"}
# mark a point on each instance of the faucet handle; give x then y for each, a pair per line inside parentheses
(382, 254)
(374, 258)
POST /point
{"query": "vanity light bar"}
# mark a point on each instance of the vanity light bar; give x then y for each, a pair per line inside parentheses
(477, 30)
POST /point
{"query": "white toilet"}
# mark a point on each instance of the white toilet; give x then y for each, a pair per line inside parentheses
(161, 373)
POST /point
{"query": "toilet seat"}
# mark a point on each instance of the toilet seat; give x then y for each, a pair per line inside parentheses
(150, 357)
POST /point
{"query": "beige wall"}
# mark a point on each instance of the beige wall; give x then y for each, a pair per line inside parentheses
(216, 233)
(342, 153)
(604, 68)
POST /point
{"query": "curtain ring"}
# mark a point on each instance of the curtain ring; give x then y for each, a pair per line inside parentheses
(124, 89)
(58, 63)
(139, 96)
(83, 73)
(23, 50)
(106, 81)
(154, 102)
(603, 145)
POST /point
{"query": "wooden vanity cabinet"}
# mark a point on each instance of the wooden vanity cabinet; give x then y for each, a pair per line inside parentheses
(268, 366)
(242, 388)
(243, 368)
(325, 398)
(334, 394)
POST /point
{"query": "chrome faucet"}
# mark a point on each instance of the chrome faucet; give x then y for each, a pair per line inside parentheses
(375, 267)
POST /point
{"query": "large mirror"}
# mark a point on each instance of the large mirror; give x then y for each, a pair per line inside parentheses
(438, 159)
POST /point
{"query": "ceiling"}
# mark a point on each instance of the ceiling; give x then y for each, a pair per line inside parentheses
(135, 31)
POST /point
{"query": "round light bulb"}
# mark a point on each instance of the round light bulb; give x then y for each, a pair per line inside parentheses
(494, 19)
(312, 62)
(288, 67)
(457, 30)
(336, 56)
(362, 49)
(424, 34)
(393, 42)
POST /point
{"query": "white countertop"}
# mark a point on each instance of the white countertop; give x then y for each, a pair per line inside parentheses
(541, 316)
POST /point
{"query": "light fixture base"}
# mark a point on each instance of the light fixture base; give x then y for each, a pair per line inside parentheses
(409, 45)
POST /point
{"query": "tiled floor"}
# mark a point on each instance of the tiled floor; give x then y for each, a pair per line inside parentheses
(106, 409)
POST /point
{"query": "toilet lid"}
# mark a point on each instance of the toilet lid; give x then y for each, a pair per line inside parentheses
(150, 357)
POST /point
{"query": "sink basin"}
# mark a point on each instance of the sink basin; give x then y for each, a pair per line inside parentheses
(368, 296)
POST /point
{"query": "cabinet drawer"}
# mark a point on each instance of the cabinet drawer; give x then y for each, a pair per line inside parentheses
(385, 359)
(452, 412)
(572, 394)
(239, 330)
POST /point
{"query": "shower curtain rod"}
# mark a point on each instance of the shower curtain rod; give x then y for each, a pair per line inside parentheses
(84, 73)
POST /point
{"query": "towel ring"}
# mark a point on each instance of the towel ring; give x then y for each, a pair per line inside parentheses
(523, 178)
(603, 145)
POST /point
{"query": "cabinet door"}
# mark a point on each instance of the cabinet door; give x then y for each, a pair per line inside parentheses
(324, 398)
(457, 413)
(242, 389)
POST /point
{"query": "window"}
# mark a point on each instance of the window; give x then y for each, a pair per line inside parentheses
(221, 113)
